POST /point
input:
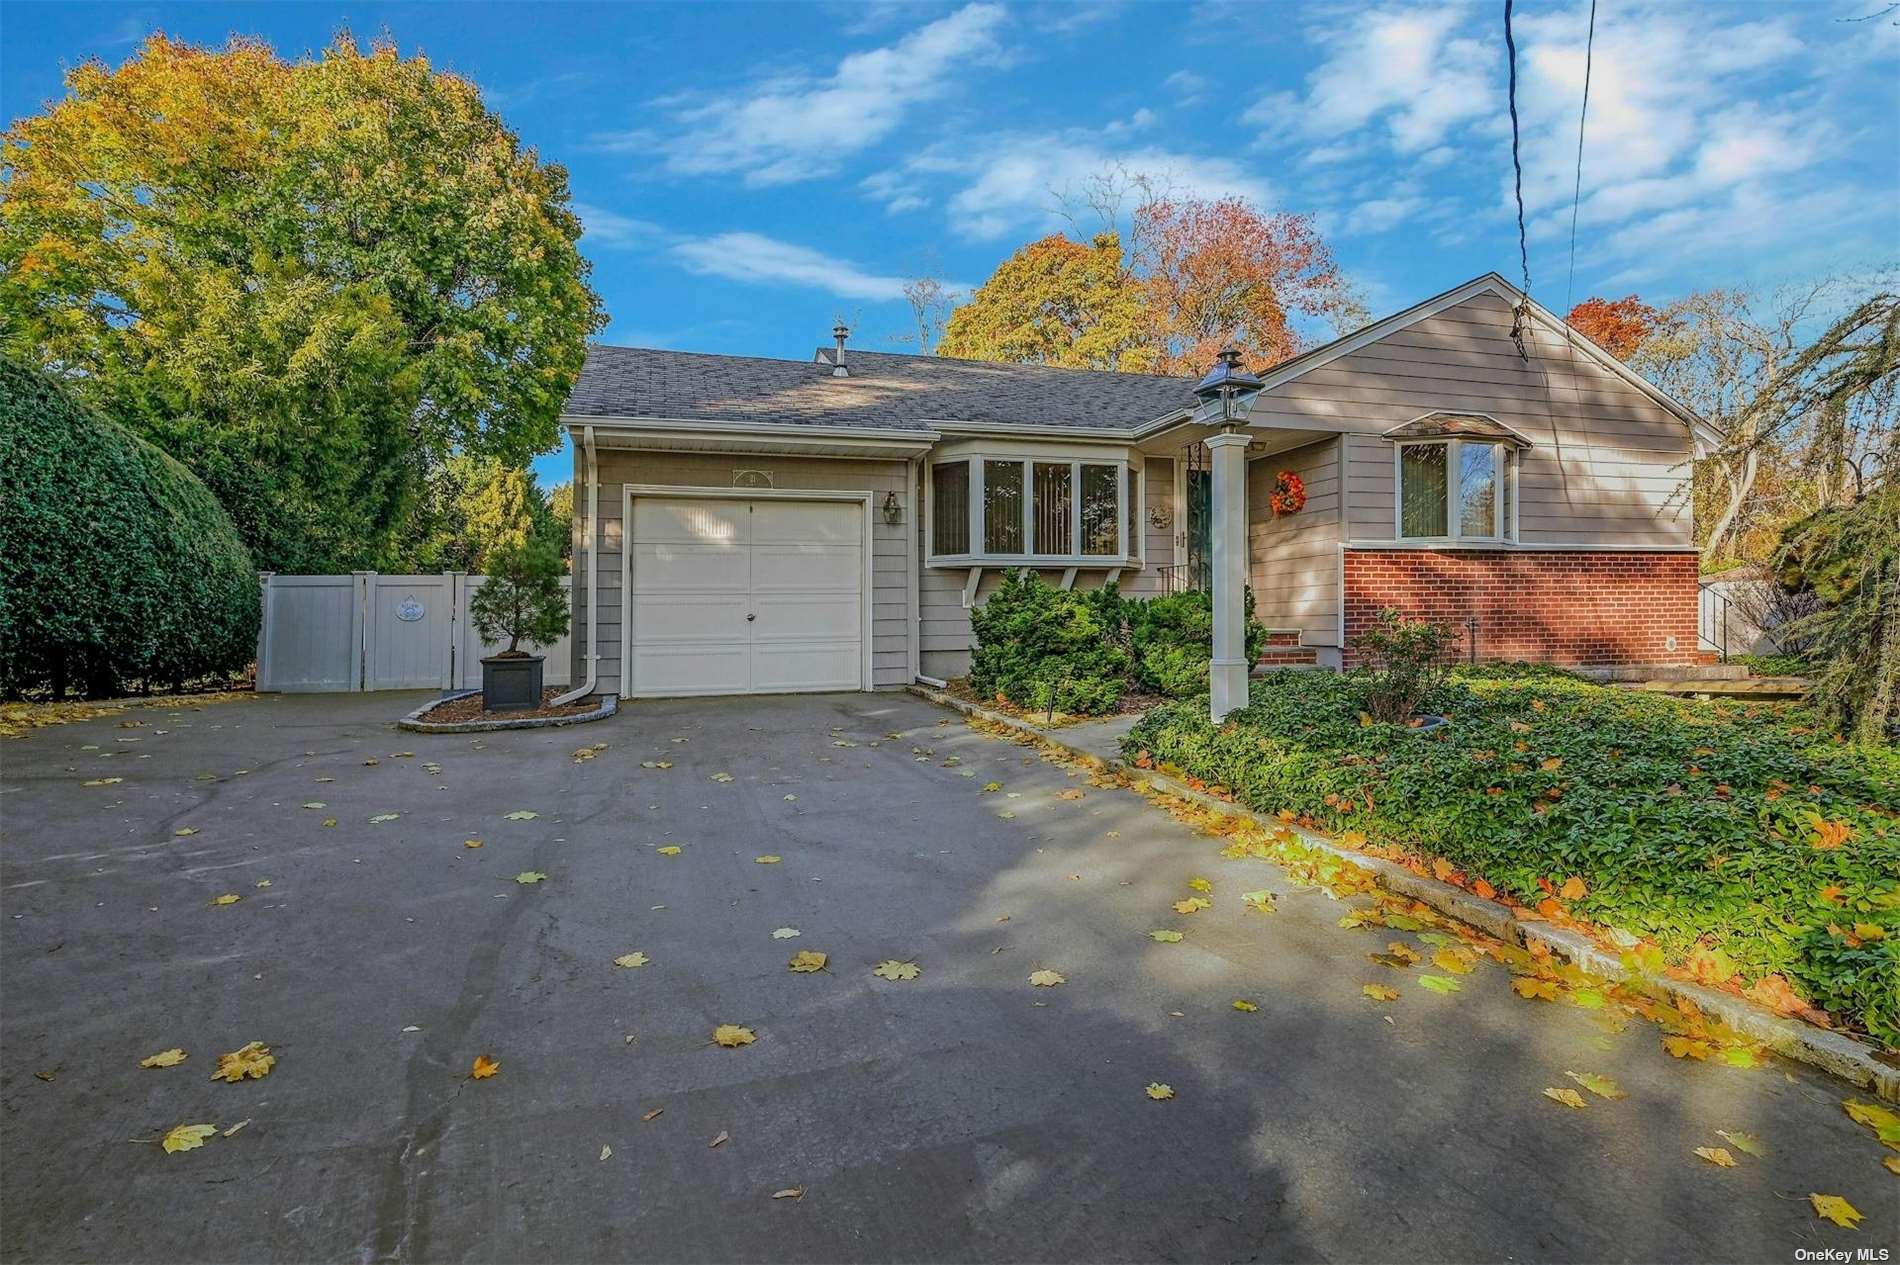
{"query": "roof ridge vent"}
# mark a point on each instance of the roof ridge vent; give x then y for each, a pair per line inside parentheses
(840, 331)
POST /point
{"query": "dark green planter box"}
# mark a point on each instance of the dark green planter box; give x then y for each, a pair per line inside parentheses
(511, 684)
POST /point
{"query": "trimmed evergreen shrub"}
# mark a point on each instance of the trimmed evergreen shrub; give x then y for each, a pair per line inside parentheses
(116, 564)
(1171, 641)
(1040, 648)
(523, 599)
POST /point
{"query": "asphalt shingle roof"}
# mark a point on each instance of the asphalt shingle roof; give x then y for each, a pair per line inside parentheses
(884, 391)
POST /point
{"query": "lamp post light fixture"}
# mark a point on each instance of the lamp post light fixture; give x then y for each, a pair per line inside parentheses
(1227, 395)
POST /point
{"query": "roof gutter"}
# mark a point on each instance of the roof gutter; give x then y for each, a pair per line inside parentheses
(725, 426)
(593, 573)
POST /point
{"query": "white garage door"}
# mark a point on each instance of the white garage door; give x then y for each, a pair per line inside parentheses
(746, 597)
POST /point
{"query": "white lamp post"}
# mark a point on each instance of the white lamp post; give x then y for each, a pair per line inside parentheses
(1227, 394)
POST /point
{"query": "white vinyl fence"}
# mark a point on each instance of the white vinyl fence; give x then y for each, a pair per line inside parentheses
(367, 631)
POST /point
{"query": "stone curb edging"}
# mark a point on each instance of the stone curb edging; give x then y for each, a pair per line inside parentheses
(415, 723)
(1832, 1052)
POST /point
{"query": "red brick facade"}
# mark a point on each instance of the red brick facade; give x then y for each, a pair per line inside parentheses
(1578, 608)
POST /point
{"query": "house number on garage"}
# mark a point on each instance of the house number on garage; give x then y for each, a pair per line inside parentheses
(409, 610)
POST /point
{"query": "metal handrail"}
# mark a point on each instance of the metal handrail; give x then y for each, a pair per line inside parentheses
(1712, 620)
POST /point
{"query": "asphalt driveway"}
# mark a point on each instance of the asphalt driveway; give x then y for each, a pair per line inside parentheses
(965, 1115)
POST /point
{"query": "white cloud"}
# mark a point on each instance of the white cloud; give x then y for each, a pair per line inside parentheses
(1408, 68)
(1141, 119)
(753, 257)
(1018, 182)
(1188, 88)
(792, 128)
(1376, 215)
(602, 227)
(1699, 118)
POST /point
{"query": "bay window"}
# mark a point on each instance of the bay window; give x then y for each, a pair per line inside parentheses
(1002, 507)
(1101, 510)
(950, 506)
(1028, 508)
(1454, 489)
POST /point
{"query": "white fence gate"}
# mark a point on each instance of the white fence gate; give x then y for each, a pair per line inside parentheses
(367, 631)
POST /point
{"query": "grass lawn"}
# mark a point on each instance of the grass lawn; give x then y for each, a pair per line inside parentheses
(1737, 840)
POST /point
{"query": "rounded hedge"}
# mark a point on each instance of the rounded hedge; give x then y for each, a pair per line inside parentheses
(116, 564)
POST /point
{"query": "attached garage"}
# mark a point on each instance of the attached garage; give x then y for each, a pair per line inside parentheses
(746, 592)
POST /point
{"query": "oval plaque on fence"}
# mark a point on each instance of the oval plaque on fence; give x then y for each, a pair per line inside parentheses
(409, 610)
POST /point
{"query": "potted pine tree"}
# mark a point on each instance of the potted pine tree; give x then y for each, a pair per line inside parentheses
(522, 601)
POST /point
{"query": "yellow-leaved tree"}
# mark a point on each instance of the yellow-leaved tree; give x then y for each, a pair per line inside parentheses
(312, 281)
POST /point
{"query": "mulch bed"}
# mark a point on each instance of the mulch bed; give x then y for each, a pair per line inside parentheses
(462, 710)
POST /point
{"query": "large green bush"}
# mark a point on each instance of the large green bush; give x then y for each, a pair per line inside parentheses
(1171, 641)
(1740, 838)
(1046, 648)
(116, 564)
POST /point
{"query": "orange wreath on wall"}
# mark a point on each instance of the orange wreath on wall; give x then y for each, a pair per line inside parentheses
(1289, 493)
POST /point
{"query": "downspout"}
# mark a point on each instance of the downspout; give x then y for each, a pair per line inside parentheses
(593, 573)
(912, 469)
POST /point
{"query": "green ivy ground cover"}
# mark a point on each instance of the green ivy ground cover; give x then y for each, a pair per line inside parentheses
(1733, 835)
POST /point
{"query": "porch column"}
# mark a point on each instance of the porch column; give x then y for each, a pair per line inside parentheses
(1227, 674)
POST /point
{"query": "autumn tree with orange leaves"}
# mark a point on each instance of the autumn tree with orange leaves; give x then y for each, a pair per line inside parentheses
(1619, 326)
(1215, 272)
(1194, 275)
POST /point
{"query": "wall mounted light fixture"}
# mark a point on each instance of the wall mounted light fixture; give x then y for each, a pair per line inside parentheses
(893, 512)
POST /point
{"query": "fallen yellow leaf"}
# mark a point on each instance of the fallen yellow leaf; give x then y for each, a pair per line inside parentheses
(1601, 1086)
(520, 814)
(785, 933)
(632, 959)
(471, 843)
(1165, 937)
(529, 876)
(1526, 987)
(1573, 888)
(1158, 1091)
(765, 860)
(1245, 1006)
(229, 898)
(1200, 885)
(896, 971)
(1568, 1097)
(1046, 978)
(253, 1061)
(806, 961)
(188, 1137)
(1191, 904)
(484, 1068)
(1716, 1156)
(731, 1035)
(1745, 1142)
(1379, 992)
(790, 1192)
(1836, 1209)
(670, 850)
(1454, 960)
(164, 1058)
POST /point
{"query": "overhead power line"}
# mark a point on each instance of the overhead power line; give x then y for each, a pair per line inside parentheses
(1517, 171)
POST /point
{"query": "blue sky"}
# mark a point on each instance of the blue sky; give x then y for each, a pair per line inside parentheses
(749, 173)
